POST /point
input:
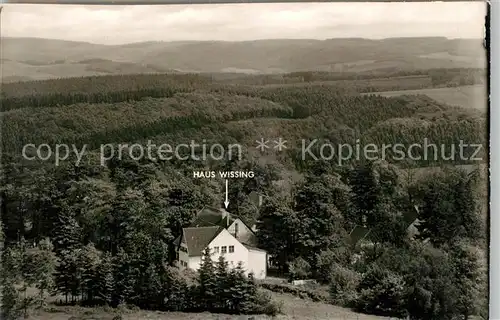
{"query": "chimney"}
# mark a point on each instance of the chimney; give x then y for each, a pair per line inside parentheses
(236, 230)
(225, 215)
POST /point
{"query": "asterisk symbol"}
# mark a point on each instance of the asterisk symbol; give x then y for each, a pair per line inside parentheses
(262, 144)
(280, 144)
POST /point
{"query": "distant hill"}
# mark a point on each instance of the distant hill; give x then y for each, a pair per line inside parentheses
(34, 58)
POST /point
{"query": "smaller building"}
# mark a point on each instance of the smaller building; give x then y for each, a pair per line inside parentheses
(224, 236)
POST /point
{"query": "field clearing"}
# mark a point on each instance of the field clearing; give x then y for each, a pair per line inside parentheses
(380, 84)
(473, 96)
(293, 308)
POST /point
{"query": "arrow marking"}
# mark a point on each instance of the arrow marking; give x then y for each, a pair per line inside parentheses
(226, 203)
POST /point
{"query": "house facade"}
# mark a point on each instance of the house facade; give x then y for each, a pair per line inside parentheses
(224, 236)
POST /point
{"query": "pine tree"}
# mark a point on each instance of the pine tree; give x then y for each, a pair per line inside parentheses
(238, 288)
(64, 274)
(176, 292)
(123, 274)
(68, 232)
(222, 283)
(153, 292)
(105, 281)
(27, 275)
(208, 286)
(10, 275)
(88, 262)
(44, 260)
(11, 301)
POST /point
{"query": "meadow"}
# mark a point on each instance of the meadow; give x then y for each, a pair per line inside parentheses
(294, 308)
(472, 96)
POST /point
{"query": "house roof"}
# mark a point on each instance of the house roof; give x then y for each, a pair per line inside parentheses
(211, 217)
(197, 239)
(253, 248)
(208, 223)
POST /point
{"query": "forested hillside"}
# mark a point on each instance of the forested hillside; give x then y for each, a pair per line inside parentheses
(100, 232)
(26, 59)
(124, 109)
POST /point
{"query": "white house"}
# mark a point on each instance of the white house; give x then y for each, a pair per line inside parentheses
(226, 236)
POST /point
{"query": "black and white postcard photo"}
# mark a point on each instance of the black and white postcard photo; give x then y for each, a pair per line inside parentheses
(247, 161)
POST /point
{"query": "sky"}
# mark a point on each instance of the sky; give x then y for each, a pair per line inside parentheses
(238, 22)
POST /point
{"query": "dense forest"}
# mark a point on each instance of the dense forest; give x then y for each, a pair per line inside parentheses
(94, 234)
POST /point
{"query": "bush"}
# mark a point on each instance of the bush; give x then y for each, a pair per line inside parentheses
(263, 304)
(300, 292)
(343, 285)
(382, 292)
(327, 259)
(299, 269)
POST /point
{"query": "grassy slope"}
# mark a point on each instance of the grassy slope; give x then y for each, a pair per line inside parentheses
(379, 83)
(293, 309)
(465, 96)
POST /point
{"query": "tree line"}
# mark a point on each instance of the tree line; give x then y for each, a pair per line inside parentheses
(119, 88)
(103, 234)
(421, 253)
(89, 277)
(111, 230)
(106, 236)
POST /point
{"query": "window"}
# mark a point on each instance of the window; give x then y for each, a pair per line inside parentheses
(223, 249)
(216, 249)
(231, 249)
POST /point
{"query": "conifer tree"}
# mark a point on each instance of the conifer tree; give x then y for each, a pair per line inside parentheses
(149, 289)
(222, 283)
(67, 235)
(10, 275)
(176, 291)
(105, 281)
(238, 288)
(123, 274)
(64, 274)
(88, 262)
(27, 276)
(44, 263)
(208, 284)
